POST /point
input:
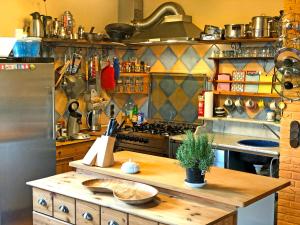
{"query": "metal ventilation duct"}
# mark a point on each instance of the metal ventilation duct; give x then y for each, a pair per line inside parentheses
(167, 24)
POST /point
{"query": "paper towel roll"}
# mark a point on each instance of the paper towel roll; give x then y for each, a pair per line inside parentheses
(208, 104)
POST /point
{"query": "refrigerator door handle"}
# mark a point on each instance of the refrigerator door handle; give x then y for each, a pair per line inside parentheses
(51, 93)
(53, 112)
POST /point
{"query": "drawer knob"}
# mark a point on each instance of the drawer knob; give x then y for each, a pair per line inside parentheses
(87, 216)
(42, 202)
(63, 209)
(112, 222)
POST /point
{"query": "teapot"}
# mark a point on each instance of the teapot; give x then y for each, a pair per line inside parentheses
(36, 27)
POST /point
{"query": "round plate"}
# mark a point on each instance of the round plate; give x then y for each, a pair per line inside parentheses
(195, 185)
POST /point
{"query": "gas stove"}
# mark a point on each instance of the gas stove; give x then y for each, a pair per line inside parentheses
(150, 138)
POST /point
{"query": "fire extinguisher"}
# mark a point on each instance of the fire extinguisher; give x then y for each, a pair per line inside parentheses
(201, 105)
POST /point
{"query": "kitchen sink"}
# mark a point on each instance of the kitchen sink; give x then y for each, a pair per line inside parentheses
(258, 143)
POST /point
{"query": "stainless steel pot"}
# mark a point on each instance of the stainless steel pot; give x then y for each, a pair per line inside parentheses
(261, 26)
(235, 31)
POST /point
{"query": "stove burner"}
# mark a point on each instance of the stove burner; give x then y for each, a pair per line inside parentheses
(164, 128)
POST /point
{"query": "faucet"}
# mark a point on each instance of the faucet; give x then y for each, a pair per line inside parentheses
(270, 129)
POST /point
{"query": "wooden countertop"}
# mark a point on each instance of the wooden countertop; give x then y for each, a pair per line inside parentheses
(164, 209)
(94, 136)
(231, 187)
(229, 142)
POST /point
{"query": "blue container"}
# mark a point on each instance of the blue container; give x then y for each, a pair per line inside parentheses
(19, 49)
(27, 47)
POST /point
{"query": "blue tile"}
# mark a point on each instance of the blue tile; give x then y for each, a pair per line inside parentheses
(190, 58)
(240, 64)
(208, 54)
(152, 110)
(153, 84)
(268, 65)
(168, 58)
(189, 112)
(116, 109)
(168, 111)
(168, 85)
(56, 116)
(128, 55)
(148, 57)
(145, 109)
(190, 86)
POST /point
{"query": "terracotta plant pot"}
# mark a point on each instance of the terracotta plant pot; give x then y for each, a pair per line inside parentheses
(195, 175)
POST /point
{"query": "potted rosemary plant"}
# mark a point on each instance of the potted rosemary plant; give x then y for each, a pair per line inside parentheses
(196, 155)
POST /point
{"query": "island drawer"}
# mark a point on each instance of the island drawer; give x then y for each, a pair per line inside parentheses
(111, 216)
(87, 213)
(64, 208)
(40, 219)
(42, 201)
(135, 220)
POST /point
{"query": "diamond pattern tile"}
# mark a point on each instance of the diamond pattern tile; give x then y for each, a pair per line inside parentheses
(240, 64)
(168, 58)
(179, 99)
(128, 55)
(107, 109)
(189, 112)
(57, 116)
(190, 86)
(190, 58)
(158, 98)
(145, 109)
(148, 57)
(268, 65)
(168, 85)
(152, 110)
(167, 111)
(208, 54)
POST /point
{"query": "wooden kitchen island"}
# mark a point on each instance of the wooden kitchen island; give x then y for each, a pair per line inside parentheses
(230, 197)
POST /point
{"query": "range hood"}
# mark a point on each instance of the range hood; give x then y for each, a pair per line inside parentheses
(167, 24)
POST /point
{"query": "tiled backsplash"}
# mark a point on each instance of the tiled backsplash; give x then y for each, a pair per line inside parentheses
(173, 96)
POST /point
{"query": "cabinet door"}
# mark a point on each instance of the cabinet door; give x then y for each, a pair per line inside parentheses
(112, 217)
(62, 165)
(135, 220)
(42, 201)
(40, 219)
(64, 208)
(87, 213)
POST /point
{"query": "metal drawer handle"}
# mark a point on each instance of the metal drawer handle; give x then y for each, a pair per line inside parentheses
(87, 216)
(63, 209)
(42, 202)
(112, 222)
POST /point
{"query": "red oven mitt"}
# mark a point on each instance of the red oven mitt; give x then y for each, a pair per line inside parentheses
(108, 78)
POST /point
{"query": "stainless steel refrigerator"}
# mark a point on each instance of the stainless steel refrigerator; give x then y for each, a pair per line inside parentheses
(27, 144)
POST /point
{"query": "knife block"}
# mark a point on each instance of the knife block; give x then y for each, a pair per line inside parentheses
(101, 152)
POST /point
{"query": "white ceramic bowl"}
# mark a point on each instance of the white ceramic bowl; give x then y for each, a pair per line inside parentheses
(6, 45)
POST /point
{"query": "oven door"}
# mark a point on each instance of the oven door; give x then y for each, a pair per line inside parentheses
(119, 146)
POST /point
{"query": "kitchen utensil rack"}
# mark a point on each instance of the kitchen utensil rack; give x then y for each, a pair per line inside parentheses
(56, 42)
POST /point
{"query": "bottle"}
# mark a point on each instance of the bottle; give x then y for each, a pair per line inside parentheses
(201, 105)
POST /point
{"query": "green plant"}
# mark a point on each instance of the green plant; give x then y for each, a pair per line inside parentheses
(196, 152)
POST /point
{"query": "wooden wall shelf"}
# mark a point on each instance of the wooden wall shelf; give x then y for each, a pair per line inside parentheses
(133, 83)
(240, 120)
(250, 94)
(243, 58)
(56, 42)
(238, 40)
